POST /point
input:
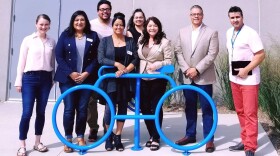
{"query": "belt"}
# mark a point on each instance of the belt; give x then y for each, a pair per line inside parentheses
(36, 72)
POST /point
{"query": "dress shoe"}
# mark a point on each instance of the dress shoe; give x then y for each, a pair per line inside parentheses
(185, 140)
(238, 147)
(210, 147)
(249, 153)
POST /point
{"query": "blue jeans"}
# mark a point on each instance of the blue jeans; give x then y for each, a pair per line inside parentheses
(75, 102)
(36, 85)
(191, 110)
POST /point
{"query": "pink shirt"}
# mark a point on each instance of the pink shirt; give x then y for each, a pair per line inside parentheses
(245, 45)
(101, 29)
(35, 55)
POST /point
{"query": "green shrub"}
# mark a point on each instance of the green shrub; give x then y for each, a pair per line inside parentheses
(222, 71)
(269, 92)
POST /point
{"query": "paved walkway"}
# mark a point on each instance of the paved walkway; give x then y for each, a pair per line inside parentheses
(227, 134)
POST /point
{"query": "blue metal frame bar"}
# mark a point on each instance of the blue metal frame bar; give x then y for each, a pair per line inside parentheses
(137, 116)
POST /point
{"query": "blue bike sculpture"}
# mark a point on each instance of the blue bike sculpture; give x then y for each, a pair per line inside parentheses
(137, 116)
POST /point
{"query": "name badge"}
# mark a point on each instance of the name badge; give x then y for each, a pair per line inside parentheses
(89, 39)
(50, 45)
(129, 52)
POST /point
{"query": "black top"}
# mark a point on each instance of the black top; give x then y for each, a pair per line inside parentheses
(135, 34)
(120, 53)
(122, 92)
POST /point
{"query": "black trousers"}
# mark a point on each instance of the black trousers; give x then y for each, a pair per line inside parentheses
(151, 92)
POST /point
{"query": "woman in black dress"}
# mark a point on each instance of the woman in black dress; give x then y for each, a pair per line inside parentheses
(135, 24)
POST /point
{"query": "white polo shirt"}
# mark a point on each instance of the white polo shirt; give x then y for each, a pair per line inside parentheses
(243, 48)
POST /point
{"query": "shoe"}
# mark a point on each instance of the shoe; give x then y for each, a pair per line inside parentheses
(155, 145)
(67, 149)
(118, 143)
(81, 142)
(149, 142)
(238, 147)
(40, 148)
(249, 153)
(210, 147)
(21, 151)
(185, 140)
(109, 142)
(92, 135)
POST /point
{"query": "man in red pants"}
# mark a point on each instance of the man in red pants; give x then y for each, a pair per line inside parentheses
(245, 54)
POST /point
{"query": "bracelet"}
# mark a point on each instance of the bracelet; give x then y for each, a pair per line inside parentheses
(125, 70)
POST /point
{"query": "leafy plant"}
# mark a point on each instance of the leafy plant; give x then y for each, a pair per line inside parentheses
(269, 91)
(222, 71)
(269, 94)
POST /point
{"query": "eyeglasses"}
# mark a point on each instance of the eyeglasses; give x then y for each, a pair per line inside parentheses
(197, 14)
(104, 9)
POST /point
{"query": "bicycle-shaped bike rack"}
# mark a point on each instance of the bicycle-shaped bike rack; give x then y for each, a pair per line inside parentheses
(137, 116)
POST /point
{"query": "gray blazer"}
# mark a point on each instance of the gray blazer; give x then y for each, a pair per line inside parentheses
(106, 56)
(160, 55)
(202, 57)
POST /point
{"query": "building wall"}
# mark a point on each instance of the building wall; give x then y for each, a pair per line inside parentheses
(5, 29)
(263, 16)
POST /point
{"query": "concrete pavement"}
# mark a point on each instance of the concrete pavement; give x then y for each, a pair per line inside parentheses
(227, 134)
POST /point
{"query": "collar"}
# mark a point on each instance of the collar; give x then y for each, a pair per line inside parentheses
(34, 35)
(197, 29)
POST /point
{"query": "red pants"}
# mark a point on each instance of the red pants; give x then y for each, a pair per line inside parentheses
(245, 98)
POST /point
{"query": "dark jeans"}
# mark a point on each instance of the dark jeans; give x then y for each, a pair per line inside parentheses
(191, 110)
(151, 92)
(75, 103)
(36, 85)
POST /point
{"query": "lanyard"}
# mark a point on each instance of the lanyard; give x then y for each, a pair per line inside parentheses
(233, 38)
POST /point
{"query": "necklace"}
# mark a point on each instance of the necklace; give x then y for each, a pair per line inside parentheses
(151, 44)
(118, 41)
(79, 36)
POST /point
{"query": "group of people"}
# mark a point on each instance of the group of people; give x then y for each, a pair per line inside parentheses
(86, 45)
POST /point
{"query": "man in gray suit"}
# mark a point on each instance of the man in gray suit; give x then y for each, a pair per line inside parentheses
(196, 49)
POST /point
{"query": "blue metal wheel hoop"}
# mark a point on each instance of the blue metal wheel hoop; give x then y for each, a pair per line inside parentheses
(83, 149)
(186, 149)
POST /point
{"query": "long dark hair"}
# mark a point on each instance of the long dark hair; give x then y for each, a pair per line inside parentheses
(130, 23)
(160, 34)
(71, 30)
